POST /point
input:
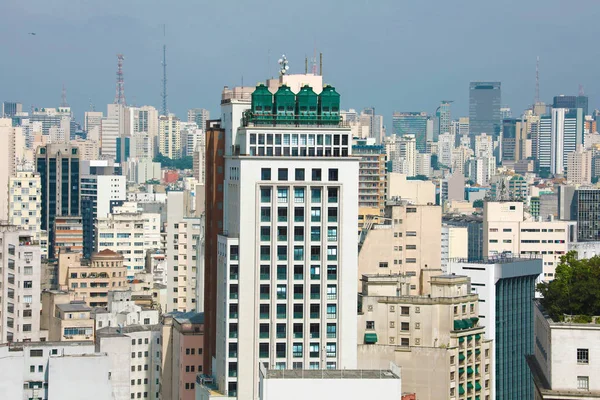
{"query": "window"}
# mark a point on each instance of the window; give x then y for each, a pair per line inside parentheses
(333, 174)
(265, 174)
(316, 174)
(282, 174)
(383, 265)
(370, 324)
(404, 342)
(36, 353)
(404, 310)
(411, 233)
(299, 174)
(282, 195)
(404, 326)
(583, 382)
(583, 356)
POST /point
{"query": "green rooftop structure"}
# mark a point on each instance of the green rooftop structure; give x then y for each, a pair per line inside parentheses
(285, 105)
(262, 104)
(329, 105)
(307, 102)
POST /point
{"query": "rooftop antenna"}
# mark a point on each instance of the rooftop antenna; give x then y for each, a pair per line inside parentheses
(314, 61)
(321, 64)
(63, 97)
(120, 95)
(283, 65)
(164, 110)
(92, 108)
(537, 80)
(581, 92)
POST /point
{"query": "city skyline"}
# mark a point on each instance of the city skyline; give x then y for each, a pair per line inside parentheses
(197, 74)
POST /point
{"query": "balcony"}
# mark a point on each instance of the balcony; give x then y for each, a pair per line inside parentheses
(233, 296)
(265, 257)
(265, 296)
(298, 238)
(233, 334)
(315, 296)
(298, 296)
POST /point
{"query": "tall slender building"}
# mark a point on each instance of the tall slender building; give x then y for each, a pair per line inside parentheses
(169, 136)
(200, 116)
(58, 166)
(442, 119)
(7, 163)
(558, 134)
(484, 109)
(287, 254)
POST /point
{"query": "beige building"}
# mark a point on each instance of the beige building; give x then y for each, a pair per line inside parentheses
(7, 163)
(91, 282)
(88, 149)
(418, 192)
(68, 234)
(507, 229)
(406, 242)
(66, 317)
(371, 182)
(579, 167)
(455, 244)
(436, 339)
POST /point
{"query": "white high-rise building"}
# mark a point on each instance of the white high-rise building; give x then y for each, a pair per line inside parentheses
(130, 232)
(288, 253)
(113, 127)
(92, 119)
(484, 145)
(445, 147)
(169, 136)
(405, 156)
(556, 136)
(7, 163)
(20, 278)
(423, 164)
(198, 115)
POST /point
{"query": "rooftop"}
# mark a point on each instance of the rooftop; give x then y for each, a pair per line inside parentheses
(74, 307)
(190, 317)
(113, 331)
(330, 374)
(499, 259)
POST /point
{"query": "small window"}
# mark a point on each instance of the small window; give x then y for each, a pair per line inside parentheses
(383, 265)
(299, 174)
(333, 174)
(405, 342)
(370, 324)
(583, 383)
(316, 174)
(583, 356)
(405, 310)
(265, 174)
(282, 174)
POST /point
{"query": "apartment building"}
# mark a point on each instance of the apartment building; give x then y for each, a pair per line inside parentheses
(406, 242)
(68, 234)
(438, 339)
(91, 281)
(371, 181)
(66, 317)
(53, 370)
(455, 244)
(130, 232)
(507, 231)
(20, 278)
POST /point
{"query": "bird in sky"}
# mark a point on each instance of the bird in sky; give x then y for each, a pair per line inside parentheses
(32, 33)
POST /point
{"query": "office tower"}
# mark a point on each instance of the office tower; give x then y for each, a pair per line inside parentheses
(24, 207)
(112, 127)
(141, 126)
(514, 138)
(68, 234)
(198, 115)
(558, 135)
(169, 136)
(579, 167)
(371, 181)
(91, 120)
(10, 109)
(581, 205)
(460, 156)
(199, 160)
(445, 148)
(480, 170)
(130, 232)
(21, 285)
(374, 122)
(406, 242)
(571, 102)
(404, 156)
(141, 171)
(185, 235)
(506, 231)
(484, 109)
(294, 212)
(58, 166)
(423, 165)
(409, 330)
(414, 123)
(455, 244)
(49, 117)
(7, 163)
(506, 288)
(141, 146)
(442, 119)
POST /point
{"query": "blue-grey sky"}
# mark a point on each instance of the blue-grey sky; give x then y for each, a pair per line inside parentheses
(391, 54)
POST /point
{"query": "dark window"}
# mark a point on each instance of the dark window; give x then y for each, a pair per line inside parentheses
(299, 174)
(265, 174)
(333, 174)
(316, 174)
(282, 174)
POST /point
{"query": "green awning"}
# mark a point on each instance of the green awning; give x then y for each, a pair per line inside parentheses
(477, 337)
(469, 352)
(370, 338)
(470, 337)
(461, 357)
(469, 370)
(477, 385)
(461, 339)
(461, 390)
(469, 385)
(475, 320)
(468, 323)
(477, 351)
(477, 398)
(461, 370)
(458, 325)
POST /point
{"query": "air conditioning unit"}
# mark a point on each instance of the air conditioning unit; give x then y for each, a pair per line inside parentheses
(27, 305)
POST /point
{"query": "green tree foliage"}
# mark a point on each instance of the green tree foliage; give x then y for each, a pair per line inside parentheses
(180, 163)
(575, 289)
(478, 203)
(417, 178)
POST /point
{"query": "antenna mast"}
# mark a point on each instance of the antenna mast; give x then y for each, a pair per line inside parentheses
(537, 80)
(120, 95)
(164, 81)
(63, 97)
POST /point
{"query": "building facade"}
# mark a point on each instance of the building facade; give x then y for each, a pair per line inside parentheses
(484, 108)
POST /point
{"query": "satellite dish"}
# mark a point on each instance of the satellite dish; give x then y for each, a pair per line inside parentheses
(287, 67)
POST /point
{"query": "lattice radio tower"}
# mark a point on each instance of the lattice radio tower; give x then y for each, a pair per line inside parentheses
(164, 110)
(120, 94)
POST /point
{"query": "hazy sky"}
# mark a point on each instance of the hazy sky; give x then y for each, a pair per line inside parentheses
(391, 54)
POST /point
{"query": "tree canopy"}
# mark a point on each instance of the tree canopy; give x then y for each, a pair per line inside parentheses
(575, 289)
(179, 163)
(478, 203)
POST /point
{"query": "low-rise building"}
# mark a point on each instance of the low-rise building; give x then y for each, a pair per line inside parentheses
(68, 234)
(565, 362)
(437, 339)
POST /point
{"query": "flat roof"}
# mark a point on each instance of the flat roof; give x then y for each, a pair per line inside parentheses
(330, 374)
(71, 307)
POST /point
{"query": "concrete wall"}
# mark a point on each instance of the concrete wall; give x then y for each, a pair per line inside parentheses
(70, 377)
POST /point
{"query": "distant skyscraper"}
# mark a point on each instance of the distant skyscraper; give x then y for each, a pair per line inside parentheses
(113, 127)
(559, 134)
(10, 109)
(58, 166)
(414, 123)
(375, 124)
(199, 116)
(442, 119)
(484, 108)
(563, 101)
(169, 136)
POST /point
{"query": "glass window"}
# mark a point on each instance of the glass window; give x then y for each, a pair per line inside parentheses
(299, 195)
(316, 174)
(299, 174)
(583, 383)
(333, 174)
(315, 214)
(583, 356)
(282, 174)
(282, 195)
(265, 174)
(332, 234)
